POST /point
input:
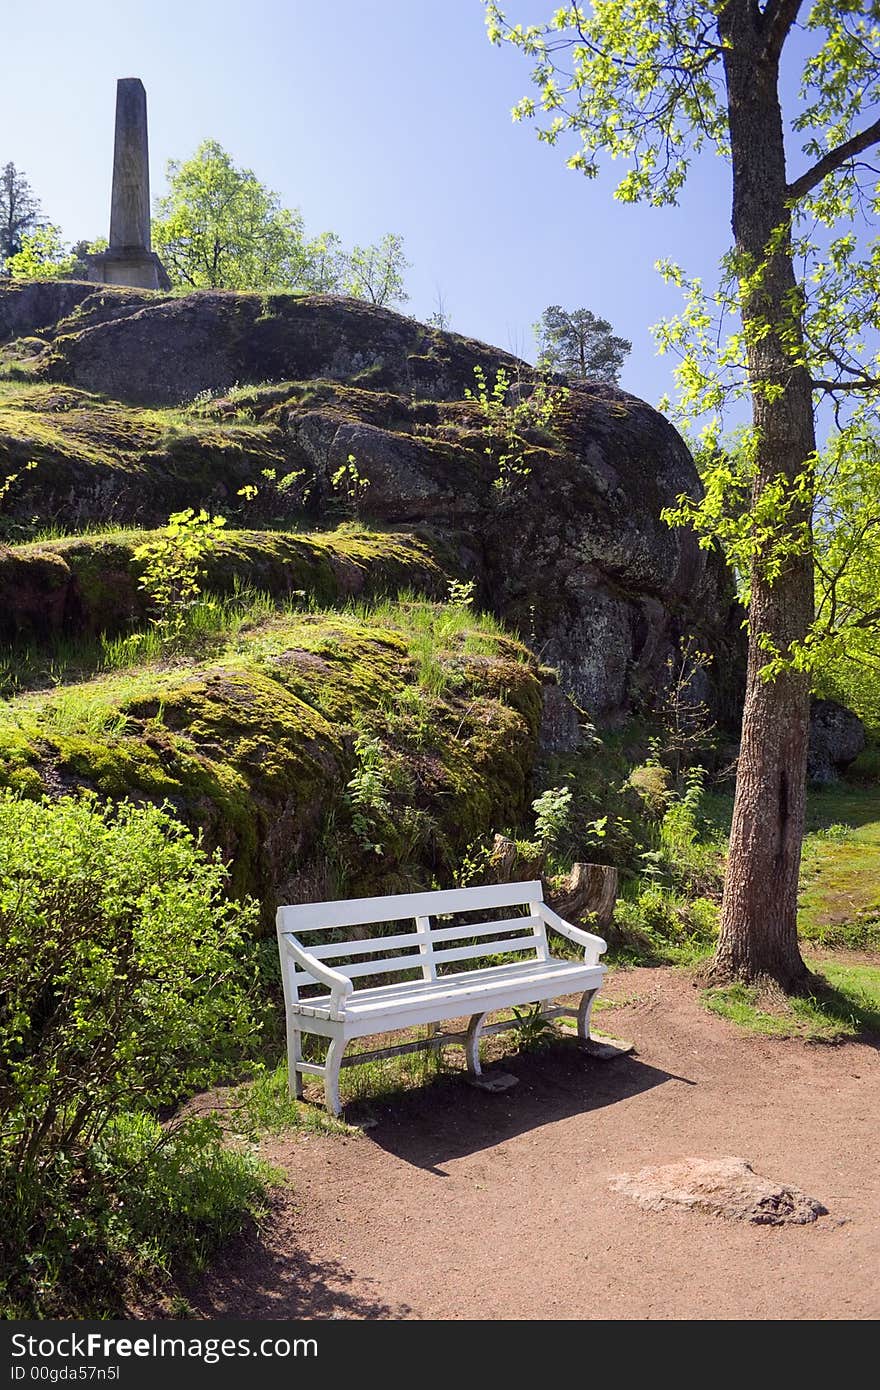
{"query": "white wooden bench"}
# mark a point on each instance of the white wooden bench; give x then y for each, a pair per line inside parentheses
(321, 996)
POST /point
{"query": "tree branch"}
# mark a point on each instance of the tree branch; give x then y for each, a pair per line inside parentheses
(833, 160)
(866, 383)
(779, 16)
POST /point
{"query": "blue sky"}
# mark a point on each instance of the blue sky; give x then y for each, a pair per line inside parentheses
(369, 115)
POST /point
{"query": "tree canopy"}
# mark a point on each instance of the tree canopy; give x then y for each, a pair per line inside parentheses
(579, 342)
(794, 321)
(376, 272)
(219, 227)
(42, 255)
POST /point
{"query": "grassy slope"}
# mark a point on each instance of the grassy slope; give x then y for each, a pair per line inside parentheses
(839, 906)
(840, 893)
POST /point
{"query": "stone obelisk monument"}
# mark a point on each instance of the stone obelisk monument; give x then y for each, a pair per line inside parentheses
(130, 259)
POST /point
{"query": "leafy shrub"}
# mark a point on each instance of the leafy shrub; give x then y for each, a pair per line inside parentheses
(141, 1203)
(680, 826)
(179, 1193)
(121, 974)
(659, 925)
(380, 796)
(512, 413)
(123, 985)
(683, 855)
(350, 484)
(552, 814)
(174, 567)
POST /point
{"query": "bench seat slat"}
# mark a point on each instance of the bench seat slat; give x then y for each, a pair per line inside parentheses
(448, 983)
(464, 986)
(357, 912)
(407, 1012)
(472, 983)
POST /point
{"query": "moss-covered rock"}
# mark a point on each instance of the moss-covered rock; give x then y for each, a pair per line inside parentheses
(87, 585)
(330, 407)
(257, 745)
(99, 460)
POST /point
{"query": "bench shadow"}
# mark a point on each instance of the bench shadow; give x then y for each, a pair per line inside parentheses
(450, 1119)
(264, 1275)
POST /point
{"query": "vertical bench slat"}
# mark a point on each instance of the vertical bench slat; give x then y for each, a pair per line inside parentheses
(535, 910)
(423, 930)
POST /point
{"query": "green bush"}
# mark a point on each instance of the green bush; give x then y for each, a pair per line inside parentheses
(124, 984)
(141, 1203)
(659, 925)
(122, 977)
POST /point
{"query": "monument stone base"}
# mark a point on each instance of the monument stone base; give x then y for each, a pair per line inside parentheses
(139, 268)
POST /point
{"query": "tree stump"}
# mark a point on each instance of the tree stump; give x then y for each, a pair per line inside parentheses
(509, 866)
(588, 889)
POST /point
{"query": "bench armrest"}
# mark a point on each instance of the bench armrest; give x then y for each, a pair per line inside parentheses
(593, 945)
(339, 985)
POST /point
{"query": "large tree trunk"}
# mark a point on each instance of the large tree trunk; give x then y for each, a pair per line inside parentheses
(759, 912)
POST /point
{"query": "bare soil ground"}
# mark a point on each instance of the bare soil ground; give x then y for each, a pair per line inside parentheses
(458, 1203)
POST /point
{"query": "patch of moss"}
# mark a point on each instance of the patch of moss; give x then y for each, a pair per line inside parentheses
(90, 584)
(115, 458)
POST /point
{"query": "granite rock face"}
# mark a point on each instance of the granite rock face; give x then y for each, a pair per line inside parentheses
(167, 350)
(573, 553)
(837, 737)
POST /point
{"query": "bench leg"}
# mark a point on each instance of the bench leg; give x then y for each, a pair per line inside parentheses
(294, 1057)
(472, 1044)
(332, 1064)
(584, 1010)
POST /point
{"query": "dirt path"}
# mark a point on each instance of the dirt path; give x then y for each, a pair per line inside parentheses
(460, 1204)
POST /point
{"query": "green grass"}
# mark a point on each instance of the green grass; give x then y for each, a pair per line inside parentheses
(145, 1203)
(218, 625)
(840, 877)
(848, 1008)
(264, 1106)
(391, 1075)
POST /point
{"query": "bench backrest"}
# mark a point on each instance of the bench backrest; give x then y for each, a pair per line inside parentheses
(422, 943)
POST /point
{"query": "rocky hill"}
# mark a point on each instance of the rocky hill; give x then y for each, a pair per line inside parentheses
(134, 404)
(418, 599)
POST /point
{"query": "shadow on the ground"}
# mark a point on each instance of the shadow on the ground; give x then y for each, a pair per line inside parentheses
(450, 1119)
(265, 1275)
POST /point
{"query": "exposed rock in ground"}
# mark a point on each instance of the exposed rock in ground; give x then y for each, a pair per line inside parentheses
(573, 553)
(726, 1187)
(837, 737)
